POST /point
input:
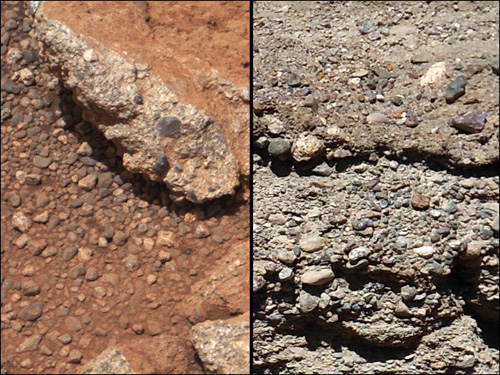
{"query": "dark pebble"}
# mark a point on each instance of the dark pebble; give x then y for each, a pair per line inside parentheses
(9, 86)
(109, 232)
(455, 89)
(88, 161)
(279, 147)
(472, 122)
(70, 253)
(29, 56)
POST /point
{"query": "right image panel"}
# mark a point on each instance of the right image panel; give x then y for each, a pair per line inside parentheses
(375, 187)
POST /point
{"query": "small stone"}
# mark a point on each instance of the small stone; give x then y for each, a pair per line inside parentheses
(21, 241)
(31, 312)
(10, 87)
(425, 251)
(131, 262)
(472, 122)
(420, 58)
(120, 238)
(366, 26)
(360, 73)
(30, 344)
(92, 274)
(36, 246)
(89, 55)
(312, 242)
(166, 238)
(75, 356)
(317, 277)
(377, 118)
(33, 179)
(401, 309)
(164, 256)
(358, 253)
(73, 324)
(27, 77)
(88, 183)
(287, 257)
(307, 147)
(21, 222)
(30, 288)
(41, 162)
(138, 328)
(420, 201)
(473, 250)
(293, 80)
(494, 65)
(70, 253)
(455, 89)
(279, 147)
(42, 217)
(408, 292)
(84, 150)
(65, 339)
(307, 302)
(99, 292)
(153, 328)
(285, 274)
(151, 279)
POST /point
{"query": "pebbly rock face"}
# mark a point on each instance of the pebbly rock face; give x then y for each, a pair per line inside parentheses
(196, 150)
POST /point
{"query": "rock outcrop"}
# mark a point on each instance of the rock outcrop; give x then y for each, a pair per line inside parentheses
(174, 115)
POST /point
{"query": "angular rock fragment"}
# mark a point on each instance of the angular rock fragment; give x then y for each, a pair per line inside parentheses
(198, 151)
(471, 122)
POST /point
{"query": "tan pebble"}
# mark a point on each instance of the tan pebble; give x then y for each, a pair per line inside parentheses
(15, 297)
(21, 241)
(45, 350)
(151, 279)
(143, 204)
(42, 217)
(27, 363)
(164, 256)
(84, 254)
(148, 243)
(102, 242)
(28, 270)
(75, 356)
(165, 238)
(64, 352)
(138, 328)
(189, 218)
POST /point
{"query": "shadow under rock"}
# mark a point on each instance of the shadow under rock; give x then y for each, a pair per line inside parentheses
(139, 185)
(317, 335)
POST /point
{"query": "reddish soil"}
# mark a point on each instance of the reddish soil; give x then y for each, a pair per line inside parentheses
(183, 42)
(112, 301)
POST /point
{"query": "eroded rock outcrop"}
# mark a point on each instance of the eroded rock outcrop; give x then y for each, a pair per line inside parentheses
(146, 108)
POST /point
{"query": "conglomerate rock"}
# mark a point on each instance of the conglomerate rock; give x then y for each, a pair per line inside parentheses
(158, 133)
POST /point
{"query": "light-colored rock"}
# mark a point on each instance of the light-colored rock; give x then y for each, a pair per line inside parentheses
(307, 147)
(425, 251)
(166, 238)
(317, 277)
(223, 346)
(153, 124)
(21, 222)
(312, 242)
(110, 361)
(435, 75)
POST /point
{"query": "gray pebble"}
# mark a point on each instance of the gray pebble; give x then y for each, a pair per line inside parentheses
(455, 89)
(31, 312)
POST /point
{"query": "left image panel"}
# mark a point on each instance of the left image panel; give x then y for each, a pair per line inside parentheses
(125, 172)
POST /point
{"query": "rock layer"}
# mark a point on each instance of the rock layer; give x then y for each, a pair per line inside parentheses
(198, 151)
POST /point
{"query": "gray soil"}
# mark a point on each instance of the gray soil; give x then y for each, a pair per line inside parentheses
(375, 159)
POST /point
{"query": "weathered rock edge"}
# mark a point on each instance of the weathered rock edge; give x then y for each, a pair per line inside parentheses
(156, 135)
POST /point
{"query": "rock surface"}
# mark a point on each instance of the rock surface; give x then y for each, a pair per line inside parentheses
(174, 117)
(223, 346)
(369, 256)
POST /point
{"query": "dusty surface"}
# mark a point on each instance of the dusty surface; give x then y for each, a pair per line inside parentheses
(375, 187)
(192, 46)
(95, 258)
(189, 130)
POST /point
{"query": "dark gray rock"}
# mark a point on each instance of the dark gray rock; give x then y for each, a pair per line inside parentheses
(472, 122)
